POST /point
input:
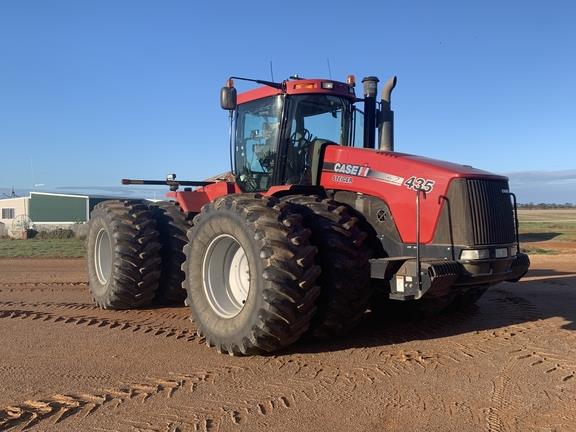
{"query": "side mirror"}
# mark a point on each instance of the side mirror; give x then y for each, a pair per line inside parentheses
(228, 98)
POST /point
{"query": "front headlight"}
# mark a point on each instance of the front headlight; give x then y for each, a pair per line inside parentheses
(474, 254)
(501, 253)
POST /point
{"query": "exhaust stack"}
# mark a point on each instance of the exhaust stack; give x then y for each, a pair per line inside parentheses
(386, 117)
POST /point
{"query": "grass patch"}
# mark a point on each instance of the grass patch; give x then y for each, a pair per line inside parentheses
(547, 232)
(45, 248)
(561, 231)
(546, 215)
(539, 251)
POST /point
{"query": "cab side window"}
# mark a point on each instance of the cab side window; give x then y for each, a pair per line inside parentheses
(256, 145)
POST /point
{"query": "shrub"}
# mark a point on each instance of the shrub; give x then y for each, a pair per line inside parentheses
(58, 233)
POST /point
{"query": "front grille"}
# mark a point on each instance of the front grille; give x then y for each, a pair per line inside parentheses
(491, 211)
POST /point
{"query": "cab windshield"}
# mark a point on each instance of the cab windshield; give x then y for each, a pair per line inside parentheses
(314, 119)
(268, 126)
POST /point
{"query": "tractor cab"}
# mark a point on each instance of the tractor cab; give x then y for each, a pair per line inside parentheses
(280, 130)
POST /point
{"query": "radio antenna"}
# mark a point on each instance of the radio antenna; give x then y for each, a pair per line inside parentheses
(329, 68)
(271, 71)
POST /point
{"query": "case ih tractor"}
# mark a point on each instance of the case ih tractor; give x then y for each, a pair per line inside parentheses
(311, 227)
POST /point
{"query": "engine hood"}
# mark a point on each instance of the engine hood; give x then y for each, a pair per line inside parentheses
(395, 178)
(439, 167)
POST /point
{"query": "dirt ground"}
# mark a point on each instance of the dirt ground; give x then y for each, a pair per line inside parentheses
(508, 364)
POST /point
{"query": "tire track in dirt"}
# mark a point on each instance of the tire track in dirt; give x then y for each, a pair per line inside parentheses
(294, 382)
(36, 285)
(563, 367)
(479, 343)
(382, 362)
(506, 400)
(529, 351)
(301, 380)
(178, 314)
(502, 399)
(523, 340)
(22, 369)
(146, 327)
(297, 381)
(498, 402)
(517, 337)
(48, 305)
(251, 400)
(387, 364)
(63, 289)
(79, 406)
(153, 322)
(472, 326)
(58, 407)
(559, 416)
(41, 287)
(61, 406)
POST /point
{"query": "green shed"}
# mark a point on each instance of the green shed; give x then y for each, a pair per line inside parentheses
(55, 208)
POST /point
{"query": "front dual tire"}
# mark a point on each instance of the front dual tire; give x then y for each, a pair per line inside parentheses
(250, 274)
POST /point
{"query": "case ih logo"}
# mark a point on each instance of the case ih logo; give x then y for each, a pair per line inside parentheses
(355, 170)
(361, 171)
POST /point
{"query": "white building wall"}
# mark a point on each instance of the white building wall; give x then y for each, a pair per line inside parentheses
(20, 206)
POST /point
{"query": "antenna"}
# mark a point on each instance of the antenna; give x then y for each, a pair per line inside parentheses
(276, 85)
(12, 194)
(32, 179)
(271, 71)
(329, 68)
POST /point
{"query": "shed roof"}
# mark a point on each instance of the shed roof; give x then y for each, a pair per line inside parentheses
(78, 195)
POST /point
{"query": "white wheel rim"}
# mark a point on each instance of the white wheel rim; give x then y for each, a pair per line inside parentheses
(226, 276)
(103, 256)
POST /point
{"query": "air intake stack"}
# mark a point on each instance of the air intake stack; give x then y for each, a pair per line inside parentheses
(370, 89)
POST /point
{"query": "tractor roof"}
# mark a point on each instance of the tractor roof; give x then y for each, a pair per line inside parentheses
(300, 86)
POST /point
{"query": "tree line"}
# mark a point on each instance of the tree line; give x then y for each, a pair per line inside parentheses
(547, 206)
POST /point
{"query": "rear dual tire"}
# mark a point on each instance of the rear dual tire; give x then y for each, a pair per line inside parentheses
(172, 225)
(123, 255)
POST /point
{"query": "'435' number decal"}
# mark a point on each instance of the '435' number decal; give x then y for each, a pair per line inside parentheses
(419, 183)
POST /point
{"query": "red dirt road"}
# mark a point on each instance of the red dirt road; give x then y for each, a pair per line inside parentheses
(508, 364)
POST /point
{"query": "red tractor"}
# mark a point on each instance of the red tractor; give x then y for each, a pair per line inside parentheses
(314, 224)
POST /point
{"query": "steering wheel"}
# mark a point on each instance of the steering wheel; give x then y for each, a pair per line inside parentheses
(301, 139)
(300, 142)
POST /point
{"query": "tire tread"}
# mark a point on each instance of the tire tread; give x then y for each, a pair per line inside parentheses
(343, 255)
(136, 264)
(289, 274)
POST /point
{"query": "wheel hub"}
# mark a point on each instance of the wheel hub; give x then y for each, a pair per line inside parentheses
(226, 276)
(103, 256)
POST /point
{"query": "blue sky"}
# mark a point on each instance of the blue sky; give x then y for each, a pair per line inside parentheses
(91, 92)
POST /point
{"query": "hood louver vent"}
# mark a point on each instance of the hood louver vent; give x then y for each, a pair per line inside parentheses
(491, 211)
